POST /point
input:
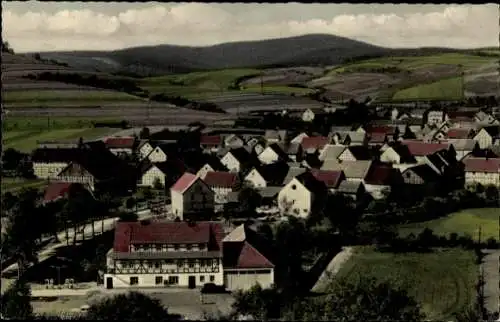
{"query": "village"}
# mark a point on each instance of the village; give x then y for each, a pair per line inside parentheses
(208, 191)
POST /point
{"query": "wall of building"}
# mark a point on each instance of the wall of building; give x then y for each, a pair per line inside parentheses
(244, 279)
(48, 170)
(295, 199)
(483, 178)
(148, 179)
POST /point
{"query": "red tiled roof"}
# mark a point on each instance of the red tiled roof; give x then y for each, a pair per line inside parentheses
(245, 256)
(210, 140)
(56, 190)
(220, 179)
(330, 178)
(482, 165)
(120, 142)
(184, 182)
(127, 233)
(381, 175)
(314, 142)
(381, 129)
(419, 148)
(461, 114)
(458, 133)
(378, 137)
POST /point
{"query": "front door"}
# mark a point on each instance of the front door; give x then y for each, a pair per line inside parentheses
(192, 282)
(109, 283)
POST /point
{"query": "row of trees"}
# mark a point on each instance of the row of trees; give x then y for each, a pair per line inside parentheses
(30, 222)
(16, 164)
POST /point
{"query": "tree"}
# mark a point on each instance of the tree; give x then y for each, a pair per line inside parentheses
(157, 185)
(130, 203)
(249, 200)
(78, 208)
(133, 306)
(16, 301)
(145, 133)
(11, 158)
(258, 303)
(362, 300)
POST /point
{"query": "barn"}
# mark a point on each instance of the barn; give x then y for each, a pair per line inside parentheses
(246, 260)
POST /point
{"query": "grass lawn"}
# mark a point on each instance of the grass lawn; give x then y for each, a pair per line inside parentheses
(65, 96)
(287, 90)
(14, 184)
(450, 88)
(417, 62)
(21, 123)
(27, 140)
(443, 282)
(462, 222)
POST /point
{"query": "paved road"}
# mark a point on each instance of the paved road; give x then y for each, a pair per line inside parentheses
(333, 268)
(50, 249)
(491, 266)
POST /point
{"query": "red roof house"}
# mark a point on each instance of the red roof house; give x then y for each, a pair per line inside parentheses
(314, 142)
(56, 190)
(459, 133)
(184, 182)
(331, 179)
(483, 165)
(420, 149)
(120, 142)
(220, 179)
(210, 140)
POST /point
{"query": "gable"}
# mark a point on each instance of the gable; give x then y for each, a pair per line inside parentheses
(154, 170)
(254, 175)
(229, 158)
(295, 185)
(346, 155)
(75, 170)
(199, 187)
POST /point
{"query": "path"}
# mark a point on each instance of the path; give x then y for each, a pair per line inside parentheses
(491, 266)
(333, 268)
(50, 249)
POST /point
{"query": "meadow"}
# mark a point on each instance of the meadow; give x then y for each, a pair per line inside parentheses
(16, 184)
(211, 84)
(57, 97)
(443, 281)
(465, 222)
(450, 88)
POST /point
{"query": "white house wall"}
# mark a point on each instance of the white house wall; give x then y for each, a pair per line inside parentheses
(484, 139)
(145, 150)
(295, 197)
(48, 170)
(177, 204)
(244, 279)
(268, 156)
(231, 163)
(390, 156)
(483, 178)
(157, 155)
(150, 176)
(256, 179)
(202, 173)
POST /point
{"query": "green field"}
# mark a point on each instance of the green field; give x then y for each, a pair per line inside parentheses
(204, 85)
(415, 63)
(15, 184)
(443, 282)
(462, 222)
(21, 123)
(26, 141)
(450, 88)
(65, 96)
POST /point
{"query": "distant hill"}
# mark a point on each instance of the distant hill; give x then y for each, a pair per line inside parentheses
(308, 50)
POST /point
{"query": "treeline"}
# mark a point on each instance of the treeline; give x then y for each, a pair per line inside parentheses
(184, 102)
(123, 85)
(123, 124)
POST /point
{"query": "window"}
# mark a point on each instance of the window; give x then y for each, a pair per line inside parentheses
(169, 261)
(201, 246)
(202, 262)
(191, 263)
(159, 280)
(126, 264)
(212, 278)
(158, 248)
(188, 247)
(157, 265)
(173, 280)
(202, 278)
(176, 247)
(134, 280)
(294, 187)
(150, 264)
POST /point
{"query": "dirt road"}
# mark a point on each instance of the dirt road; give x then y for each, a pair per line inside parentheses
(333, 268)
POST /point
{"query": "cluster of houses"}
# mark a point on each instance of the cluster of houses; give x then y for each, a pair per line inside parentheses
(204, 171)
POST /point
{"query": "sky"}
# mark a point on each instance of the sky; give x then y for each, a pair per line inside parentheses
(58, 26)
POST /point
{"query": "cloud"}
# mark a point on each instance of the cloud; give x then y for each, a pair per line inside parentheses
(197, 24)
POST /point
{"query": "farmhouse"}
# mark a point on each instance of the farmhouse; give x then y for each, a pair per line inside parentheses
(271, 154)
(419, 149)
(155, 172)
(463, 147)
(121, 145)
(267, 175)
(314, 144)
(210, 143)
(488, 136)
(483, 171)
(58, 190)
(191, 196)
(222, 184)
(331, 152)
(245, 261)
(237, 159)
(355, 153)
(397, 154)
(163, 254)
(301, 195)
(144, 148)
(353, 170)
(48, 163)
(331, 179)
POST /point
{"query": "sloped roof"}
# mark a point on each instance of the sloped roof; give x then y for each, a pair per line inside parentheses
(275, 134)
(184, 182)
(120, 142)
(381, 175)
(292, 173)
(312, 184)
(462, 144)
(244, 248)
(241, 154)
(56, 190)
(419, 148)
(331, 152)
(210, 140)
(314, 142)
(273, 173)
(458, 133)
(404, 153)
(127, 233)
(493, 130)
(482, 165)
(330, 178)
(349, 186)
(219, 179)
(360, 152)
(424, 171)
(352, 169)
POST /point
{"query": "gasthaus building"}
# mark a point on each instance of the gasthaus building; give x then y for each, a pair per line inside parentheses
(184, 254)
